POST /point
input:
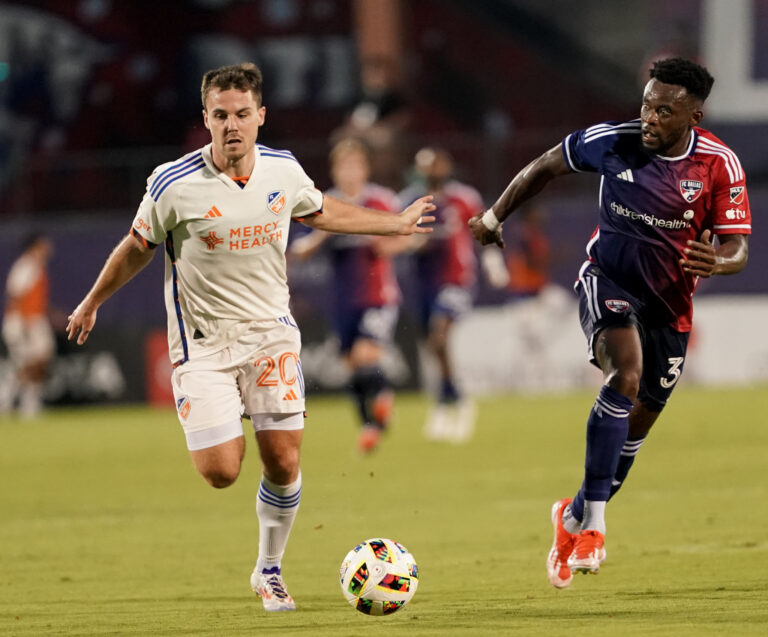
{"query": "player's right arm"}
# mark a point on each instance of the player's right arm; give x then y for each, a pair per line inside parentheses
(527, 183)
(126, 261)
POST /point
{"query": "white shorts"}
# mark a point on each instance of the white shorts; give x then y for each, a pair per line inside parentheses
(258, 375)
(29, 340)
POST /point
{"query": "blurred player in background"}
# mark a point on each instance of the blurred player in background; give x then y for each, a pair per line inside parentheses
(667, 186)
(445, 276)
(382, 118)
(366, 296)
(528, 255)
(26, 327)
(222, 212)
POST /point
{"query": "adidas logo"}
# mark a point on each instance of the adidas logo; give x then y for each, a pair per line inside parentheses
(626, 175)
(213, 212)
(291, 395)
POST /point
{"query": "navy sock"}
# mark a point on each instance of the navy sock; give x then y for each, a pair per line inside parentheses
(367, 383)
(627, 458)
(449, 393)
(606, 433)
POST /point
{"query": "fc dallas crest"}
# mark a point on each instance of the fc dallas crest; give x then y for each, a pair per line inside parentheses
(691, 189)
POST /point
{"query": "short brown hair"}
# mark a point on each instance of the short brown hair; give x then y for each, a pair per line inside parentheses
(350, 145)
(242, 77)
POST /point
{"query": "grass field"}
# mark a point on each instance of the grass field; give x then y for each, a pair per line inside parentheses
(105, 529)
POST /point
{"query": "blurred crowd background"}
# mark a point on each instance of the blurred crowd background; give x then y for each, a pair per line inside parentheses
(95, 93)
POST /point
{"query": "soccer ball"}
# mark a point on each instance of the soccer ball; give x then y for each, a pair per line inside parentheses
(379, 576)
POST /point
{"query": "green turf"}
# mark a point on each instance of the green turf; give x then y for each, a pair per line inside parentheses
(105, 529)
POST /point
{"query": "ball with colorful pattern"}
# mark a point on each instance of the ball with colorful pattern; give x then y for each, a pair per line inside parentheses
(378, 576)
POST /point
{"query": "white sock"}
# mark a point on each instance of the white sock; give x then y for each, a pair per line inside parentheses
(570, 523)
(276, 507)
(594, 516)
(31, 400)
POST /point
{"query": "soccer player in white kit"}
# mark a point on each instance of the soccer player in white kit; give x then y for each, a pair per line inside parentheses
(223, 213)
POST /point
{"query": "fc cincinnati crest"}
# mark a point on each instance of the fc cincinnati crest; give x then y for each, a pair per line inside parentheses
(737, 194)
(183, 406)
(276, 201)
(617, 305)
(691, 189)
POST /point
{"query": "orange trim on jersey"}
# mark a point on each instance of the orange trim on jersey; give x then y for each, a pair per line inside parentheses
(142, 240)
(303, 217)
(243, 179)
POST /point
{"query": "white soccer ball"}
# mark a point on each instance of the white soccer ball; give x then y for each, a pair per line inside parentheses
(379, 576)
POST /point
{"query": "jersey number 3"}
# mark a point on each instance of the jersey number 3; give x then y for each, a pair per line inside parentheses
(673, 373)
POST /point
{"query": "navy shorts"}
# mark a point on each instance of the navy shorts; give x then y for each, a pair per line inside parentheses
(373, 323)
(451, 301)
(603, 304)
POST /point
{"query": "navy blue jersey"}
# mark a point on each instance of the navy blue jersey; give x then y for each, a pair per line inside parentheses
(651, 205)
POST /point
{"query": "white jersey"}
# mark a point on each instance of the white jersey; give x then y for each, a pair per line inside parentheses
(225, 245)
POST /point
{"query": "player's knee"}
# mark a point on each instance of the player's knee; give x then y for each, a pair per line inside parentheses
(221, 477)
(283, 468)
(626, 381)
(437, 342)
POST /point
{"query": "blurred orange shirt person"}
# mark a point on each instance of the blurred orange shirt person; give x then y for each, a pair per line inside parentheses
(529, 259)
(26, 329)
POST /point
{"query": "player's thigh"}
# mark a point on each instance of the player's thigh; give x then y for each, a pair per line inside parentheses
(451, 302)
(375, 331)
(208, 404)
(221, 463)
(664, 353)
(270, 380)
(602, 304)
(42, 343)
(365, 352)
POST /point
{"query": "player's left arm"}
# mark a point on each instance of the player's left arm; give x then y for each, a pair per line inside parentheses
(703, 259)
(345, 218)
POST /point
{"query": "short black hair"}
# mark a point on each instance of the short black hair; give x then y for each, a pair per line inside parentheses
(693, 77)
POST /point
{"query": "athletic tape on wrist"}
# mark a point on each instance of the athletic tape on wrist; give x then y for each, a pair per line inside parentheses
(490, 220)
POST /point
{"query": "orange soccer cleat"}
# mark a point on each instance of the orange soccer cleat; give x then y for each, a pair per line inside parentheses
(588, 552)
(559, 573)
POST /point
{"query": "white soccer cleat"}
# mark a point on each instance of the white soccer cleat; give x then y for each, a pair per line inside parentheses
(438, 425)
(464, 423)
(271, 588)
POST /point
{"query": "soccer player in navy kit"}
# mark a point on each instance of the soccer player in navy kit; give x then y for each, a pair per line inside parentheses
(666, 187)
(366, 296)
(445, 271)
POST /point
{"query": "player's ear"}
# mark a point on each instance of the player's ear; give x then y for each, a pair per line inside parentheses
(696, 113)
(205, 119)
(696, 117)
(262, 113)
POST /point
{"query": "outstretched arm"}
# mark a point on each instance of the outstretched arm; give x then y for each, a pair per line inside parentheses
(704, 260)
(341, 217)
(528, 182)
(125, 262)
